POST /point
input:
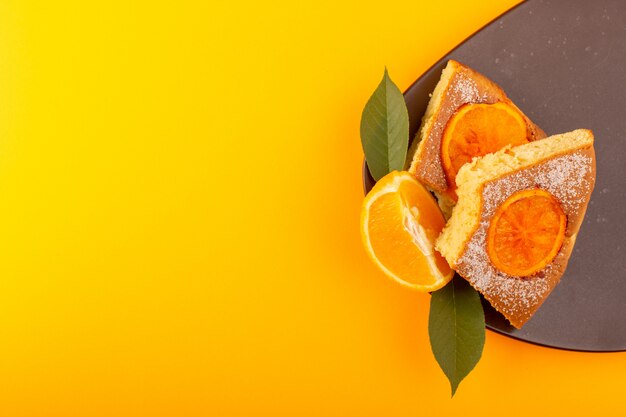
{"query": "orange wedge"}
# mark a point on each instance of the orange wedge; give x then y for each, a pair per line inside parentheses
(526, 232)
(400, 221)
(476, 130)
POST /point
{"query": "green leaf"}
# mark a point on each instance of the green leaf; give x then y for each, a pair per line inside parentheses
(456, 327)
(385, 129)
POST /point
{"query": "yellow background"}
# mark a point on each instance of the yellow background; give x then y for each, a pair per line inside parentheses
(179, 198)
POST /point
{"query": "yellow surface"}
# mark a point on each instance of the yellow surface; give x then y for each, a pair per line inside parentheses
(180, 194)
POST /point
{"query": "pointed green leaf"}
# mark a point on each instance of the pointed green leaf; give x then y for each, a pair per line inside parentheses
(385, 129)
(456, 327)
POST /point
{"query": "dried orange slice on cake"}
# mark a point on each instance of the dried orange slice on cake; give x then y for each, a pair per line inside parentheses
(400, 221)
(526, 232)
(479, 129)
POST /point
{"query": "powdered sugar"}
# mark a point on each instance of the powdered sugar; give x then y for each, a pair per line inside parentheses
(564, 177)
(464, 91)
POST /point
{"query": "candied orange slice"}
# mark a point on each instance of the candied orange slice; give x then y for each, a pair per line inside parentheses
(400, 221)
(526, 232)
(476, 130)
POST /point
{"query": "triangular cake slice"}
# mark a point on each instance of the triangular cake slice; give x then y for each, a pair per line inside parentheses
(557, 174)
(458, 85)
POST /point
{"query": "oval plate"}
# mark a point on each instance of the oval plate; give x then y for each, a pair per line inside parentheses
(562, 63)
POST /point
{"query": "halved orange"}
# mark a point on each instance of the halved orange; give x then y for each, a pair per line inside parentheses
(476, 130)
(526, 232)
(400, 221)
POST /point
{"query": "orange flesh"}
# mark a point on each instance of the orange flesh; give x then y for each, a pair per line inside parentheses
(476, 130)
(526, 233)
(392, 240)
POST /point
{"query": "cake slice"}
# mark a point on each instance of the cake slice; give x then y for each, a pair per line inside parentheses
(517, 217)
(459, 87)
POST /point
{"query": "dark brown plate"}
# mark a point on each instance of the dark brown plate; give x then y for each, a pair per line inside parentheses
(564, 64)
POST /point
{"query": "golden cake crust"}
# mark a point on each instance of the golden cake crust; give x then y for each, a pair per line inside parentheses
(570, 177)
(458, 85)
